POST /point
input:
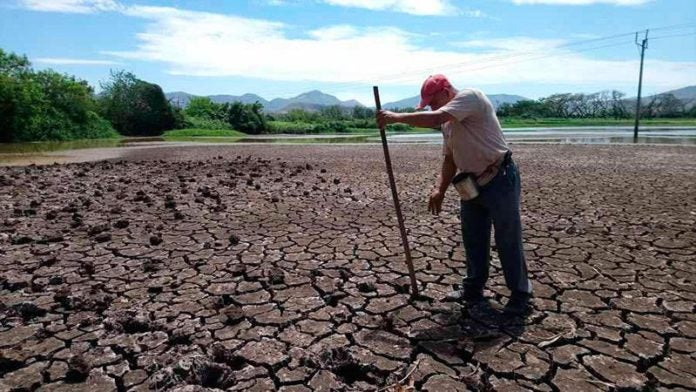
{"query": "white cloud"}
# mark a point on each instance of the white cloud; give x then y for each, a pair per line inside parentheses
(512, 44)
(415, 7)
(583, 2)
(216, 45)
(334, 32)
(67, 61)
(71, 6)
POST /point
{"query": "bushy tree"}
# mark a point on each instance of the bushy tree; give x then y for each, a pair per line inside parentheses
(363, 113)
(203, 107)
(135, 107)
(16, 95)
(300, 115)
(526, 108)
(45, 105)
(246, 118)
(618, 106)
(332, 113)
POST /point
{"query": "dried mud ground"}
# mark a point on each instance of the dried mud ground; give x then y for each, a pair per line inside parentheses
(280, 268)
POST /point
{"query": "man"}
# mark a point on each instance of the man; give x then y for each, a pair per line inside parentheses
(474, 143)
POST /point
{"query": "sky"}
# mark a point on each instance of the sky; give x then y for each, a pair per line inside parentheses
(281, 48)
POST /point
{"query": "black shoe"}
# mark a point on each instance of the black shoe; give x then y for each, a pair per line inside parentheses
(470, 297)
(518, 305)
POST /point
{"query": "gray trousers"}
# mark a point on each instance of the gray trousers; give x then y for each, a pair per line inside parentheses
(497, 205)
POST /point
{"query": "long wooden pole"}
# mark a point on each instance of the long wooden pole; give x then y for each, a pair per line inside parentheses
(395, 197)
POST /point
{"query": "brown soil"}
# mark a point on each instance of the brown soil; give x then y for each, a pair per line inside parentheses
(281, 268)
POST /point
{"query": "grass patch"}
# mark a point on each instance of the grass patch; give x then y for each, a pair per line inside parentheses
(292, 127)
(197, 132)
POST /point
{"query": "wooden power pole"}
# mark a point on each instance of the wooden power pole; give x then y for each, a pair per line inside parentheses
(643, 45)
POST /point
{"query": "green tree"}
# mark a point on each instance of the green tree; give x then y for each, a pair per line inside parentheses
(45, 105)
(363, 113)
(300, 115)
(332, 113)
(246, 118)
(202, 107)
(16, 95)
(135, 107)
(670, 106)
(618, 105)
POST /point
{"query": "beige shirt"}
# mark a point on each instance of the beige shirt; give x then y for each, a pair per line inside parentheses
(475, 140)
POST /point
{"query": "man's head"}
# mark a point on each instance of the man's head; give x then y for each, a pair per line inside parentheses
(436, 92)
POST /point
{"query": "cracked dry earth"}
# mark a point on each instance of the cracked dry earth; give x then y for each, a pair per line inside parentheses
(280, 268)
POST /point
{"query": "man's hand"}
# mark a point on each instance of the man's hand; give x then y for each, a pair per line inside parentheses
(385, 117)
(435, 202)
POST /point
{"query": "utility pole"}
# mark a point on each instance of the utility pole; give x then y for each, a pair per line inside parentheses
(643, 45)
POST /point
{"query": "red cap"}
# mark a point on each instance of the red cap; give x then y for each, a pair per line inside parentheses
(432, 85)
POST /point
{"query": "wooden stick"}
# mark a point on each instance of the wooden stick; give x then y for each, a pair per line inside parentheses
(395, 197)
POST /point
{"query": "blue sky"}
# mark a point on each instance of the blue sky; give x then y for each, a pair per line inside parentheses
(280, 48)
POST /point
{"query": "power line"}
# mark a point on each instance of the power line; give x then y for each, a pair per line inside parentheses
(494, 58)
(673, 35)
(508, 59)
(569, 44)
(492, 63)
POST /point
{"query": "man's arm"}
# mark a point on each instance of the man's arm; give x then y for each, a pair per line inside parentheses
(449, 169)
(431, 119)
(443, 181)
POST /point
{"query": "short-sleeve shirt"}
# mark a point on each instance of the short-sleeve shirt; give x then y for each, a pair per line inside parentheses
(475, 140)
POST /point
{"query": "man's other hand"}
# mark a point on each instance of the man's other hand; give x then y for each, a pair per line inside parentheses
(435, 202)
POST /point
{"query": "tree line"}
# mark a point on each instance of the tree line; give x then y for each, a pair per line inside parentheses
(605, 104)
(47, 105)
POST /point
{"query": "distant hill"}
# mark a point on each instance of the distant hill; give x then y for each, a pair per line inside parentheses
(496, 100)
(499, 99)
(687, 95)
(311, 101)
(246, 98)
(402, 104)
(315, 100)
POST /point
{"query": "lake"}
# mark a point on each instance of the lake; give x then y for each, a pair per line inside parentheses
(87, 150)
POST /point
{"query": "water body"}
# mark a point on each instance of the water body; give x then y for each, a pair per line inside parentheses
(88, 150)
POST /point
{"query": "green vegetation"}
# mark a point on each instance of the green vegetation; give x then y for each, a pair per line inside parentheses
(198, 132)
(135, 107)
(606, 105)
(205, 123)
(46, 105)
(329, 120)
(201, 112)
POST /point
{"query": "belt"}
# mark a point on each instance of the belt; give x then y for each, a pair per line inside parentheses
(492, 170)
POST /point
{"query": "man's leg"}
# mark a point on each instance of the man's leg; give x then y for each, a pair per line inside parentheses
(476, 235)
(503, 200)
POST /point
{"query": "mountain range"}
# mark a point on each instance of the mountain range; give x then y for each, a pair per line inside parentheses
(315, 100)
(496, 100)
(311, 100)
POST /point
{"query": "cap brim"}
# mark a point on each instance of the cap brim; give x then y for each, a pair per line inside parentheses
(423, 103)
